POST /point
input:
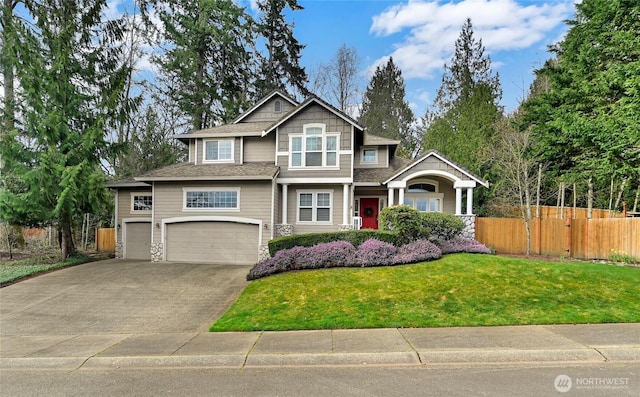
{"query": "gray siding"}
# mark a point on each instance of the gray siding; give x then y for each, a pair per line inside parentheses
(258, 149)
(333, 123)
(432, 163)
(266, 111)
(124, 208)
(292, 202)
(199, 152)
(383, 158)
(255, 202)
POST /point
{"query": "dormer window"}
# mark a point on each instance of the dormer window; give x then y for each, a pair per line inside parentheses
(218, 151)
(369, 156)
(277, 106)
(314, 147)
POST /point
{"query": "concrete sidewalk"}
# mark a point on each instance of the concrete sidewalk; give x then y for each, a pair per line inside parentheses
(418, 347)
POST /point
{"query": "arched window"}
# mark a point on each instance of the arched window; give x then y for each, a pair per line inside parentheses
(422, 188)
(277, 107)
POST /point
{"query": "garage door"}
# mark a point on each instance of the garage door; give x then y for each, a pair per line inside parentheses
(212, 242)
(138, 240)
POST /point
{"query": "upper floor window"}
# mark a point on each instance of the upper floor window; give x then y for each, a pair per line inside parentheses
(141, 202)
(369, 156)
(277, 106)
(218, 150)
(314, 147)
(212, 199)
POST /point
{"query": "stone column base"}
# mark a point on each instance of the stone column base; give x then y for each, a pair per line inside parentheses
(156, 252)
(263, 253)
(469, 230)
(284, 229)
(343, 228)
(119, 250)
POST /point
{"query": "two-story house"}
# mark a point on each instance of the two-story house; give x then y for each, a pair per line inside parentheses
(280, 168)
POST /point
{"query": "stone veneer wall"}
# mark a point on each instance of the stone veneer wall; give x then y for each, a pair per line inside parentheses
(469, 230)
(119, 250)
(156, 252)
(263, 253)
(284, 230)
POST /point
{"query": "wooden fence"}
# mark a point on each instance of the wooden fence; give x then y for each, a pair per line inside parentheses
(106, 240)
(576, 238)
(551, 212)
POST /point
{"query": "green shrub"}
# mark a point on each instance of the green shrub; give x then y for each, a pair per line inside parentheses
(443, 226)
(355, 237)
(405, 221)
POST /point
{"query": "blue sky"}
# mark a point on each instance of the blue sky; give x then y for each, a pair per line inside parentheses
(420, 36)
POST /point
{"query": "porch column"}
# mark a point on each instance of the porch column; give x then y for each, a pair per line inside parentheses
(458, 201)
(285, 192)
(401, 196)
(345, 204)
(470, 201)
(390, 199)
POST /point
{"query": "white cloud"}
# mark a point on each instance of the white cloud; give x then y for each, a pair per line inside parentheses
(432, 27)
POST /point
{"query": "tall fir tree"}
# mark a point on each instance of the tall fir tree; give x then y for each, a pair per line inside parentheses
(280, 68)
(207, 68)
(586, 122)
(460, 123)
(385, 112)
(70, 84)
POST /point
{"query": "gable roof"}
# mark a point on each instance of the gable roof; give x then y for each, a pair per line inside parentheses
(378, 140)
(263, 101)
(309, 101)
(227, 130)
(434, 153)
(206, 172)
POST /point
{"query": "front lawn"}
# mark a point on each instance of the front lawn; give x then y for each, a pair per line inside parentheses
(457, 290)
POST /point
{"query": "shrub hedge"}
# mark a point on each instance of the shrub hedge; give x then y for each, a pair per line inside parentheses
(355, 237)
(405, 221)
(442, 226)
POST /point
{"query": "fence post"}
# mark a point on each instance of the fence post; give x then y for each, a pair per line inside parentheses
(569, 250)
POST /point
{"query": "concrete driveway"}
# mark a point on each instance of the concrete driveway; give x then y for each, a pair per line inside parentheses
(121, 296)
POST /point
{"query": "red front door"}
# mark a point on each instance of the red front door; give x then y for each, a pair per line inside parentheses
(369, 212)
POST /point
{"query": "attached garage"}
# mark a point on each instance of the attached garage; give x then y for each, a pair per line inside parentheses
(212, 242)
(137, 240)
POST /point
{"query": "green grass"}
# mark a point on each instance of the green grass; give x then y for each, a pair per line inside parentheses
(457, 290)
(12, 271)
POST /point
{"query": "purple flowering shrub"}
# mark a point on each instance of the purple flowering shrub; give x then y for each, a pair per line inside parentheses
(333, 254)
(417, 251)
(462, 244)
(375, 253)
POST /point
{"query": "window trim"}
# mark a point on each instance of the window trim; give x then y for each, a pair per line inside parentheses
(428, 196)
(204, 151)
(314, 207)
(277, 106)
(186, 190)
(133, 199)
(303, 150)
(365, 148)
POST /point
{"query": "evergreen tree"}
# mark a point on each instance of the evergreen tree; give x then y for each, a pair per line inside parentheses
(384, 109)
(70, 86)
(207, 67)
(586, 122)
(460, 124)
(280, 68)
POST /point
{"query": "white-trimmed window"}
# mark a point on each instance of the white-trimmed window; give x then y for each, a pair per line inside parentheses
(314, 147)
(220, 150)
(423, 195)
(316, 207)
(277, 106)
(219, 199)
(141, 202)
(369, 155)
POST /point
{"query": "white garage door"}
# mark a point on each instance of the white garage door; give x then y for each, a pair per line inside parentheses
(138, 240)
(212, 242)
